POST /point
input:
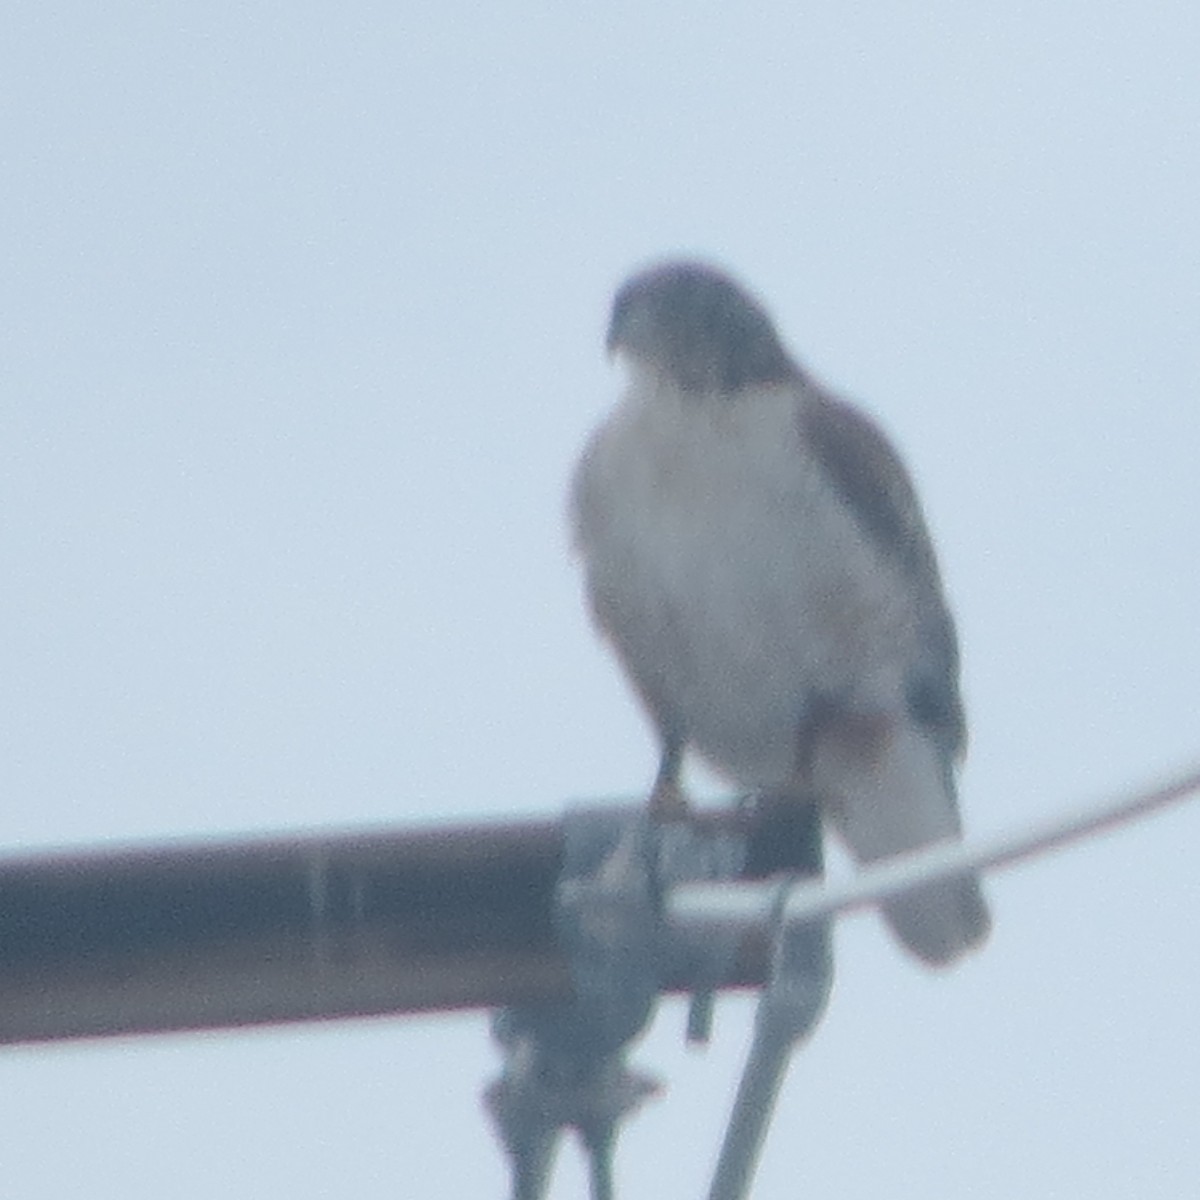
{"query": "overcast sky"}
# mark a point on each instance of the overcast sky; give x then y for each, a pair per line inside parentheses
(301, 318)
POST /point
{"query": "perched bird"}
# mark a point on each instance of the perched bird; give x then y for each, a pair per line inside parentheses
(755, 553)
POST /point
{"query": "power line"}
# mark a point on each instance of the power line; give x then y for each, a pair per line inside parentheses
(884, 881)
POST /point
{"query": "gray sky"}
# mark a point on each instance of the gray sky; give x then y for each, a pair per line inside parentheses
(300, 329)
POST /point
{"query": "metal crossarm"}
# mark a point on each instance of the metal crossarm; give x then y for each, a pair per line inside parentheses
(210, 935)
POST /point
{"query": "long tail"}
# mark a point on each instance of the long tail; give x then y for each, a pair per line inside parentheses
(900, 796)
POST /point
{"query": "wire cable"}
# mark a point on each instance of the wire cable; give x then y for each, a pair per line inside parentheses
(881, 882)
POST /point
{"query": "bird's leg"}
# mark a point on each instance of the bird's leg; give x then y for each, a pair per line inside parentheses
(667, 801)
(820, 711)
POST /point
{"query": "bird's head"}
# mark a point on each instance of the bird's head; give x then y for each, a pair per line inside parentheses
(695, 325)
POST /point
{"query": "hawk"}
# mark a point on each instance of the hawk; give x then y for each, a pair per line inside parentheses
(755, 553)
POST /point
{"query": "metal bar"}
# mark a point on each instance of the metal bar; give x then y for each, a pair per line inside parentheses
(788, 1009)
(753, 1107)
(255, 931)
(203, 935)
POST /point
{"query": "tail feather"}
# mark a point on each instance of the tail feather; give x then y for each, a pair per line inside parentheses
(940, 922)
(893, 796)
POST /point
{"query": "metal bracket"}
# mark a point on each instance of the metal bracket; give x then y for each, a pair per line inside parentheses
(565, 1064)
(788, 1009)
(687, 854)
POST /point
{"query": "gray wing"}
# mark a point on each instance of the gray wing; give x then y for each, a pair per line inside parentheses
(881, 813)
(867, 473)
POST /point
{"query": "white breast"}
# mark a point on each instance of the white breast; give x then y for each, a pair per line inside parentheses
(731, 579)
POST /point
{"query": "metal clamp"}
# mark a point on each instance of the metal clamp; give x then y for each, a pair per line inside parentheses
(565, 1064)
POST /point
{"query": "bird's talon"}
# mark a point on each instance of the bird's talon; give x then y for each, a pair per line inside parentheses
(668, 803)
